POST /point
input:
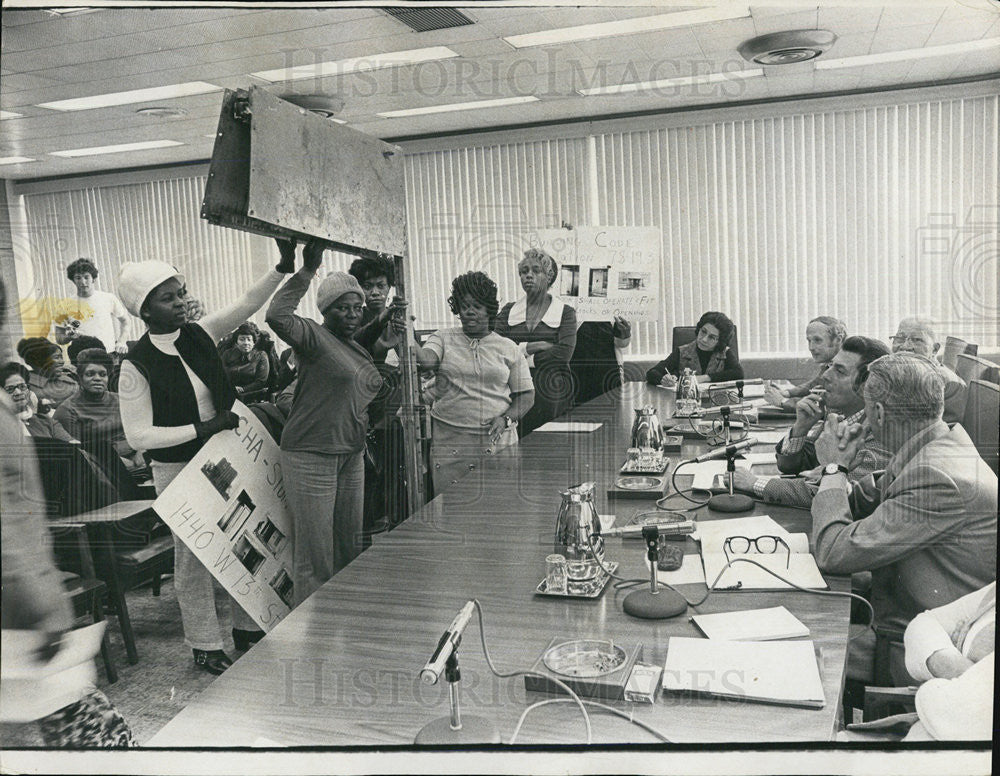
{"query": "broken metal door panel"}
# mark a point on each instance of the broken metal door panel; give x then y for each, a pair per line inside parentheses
(310, 175)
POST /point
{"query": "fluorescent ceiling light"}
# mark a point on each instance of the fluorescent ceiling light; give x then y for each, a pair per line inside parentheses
(116, 149)
(6, 114)
(136, 95)
(629, 26)
(667, 83)
(356, 64)
(14, 159)
(393, 114)
(905, 54)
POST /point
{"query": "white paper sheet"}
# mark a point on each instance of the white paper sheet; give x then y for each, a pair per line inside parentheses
(775, 622)
(704, 473)
(784, 672)
(569, 427)
(761, 459)
(768, 437)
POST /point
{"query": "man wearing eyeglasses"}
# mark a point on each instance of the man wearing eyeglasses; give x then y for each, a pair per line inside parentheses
(839, 391)
(916, 335)
(926, 527)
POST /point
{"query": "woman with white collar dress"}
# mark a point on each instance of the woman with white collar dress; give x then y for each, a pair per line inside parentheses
(174, 396)
(545, 329)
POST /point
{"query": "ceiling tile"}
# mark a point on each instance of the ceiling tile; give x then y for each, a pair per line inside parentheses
(854, 45)
(899, 38)
(910, 14)
(778, 19)
(957, 32)
(725, 35)
(847, 20)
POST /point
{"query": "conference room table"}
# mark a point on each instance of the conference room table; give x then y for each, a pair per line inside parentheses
(343, 668)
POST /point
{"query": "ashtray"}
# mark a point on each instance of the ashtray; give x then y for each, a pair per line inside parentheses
(594, 668)
(592, 588)
(638, 483)
(584, 658)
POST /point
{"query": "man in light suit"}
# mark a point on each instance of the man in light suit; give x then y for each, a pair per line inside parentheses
(926, 527)
(916, 335)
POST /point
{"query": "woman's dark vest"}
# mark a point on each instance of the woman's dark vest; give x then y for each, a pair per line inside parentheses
(688, 358)
(170, 389)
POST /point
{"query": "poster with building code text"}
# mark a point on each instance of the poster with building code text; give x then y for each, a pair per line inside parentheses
(606, 270)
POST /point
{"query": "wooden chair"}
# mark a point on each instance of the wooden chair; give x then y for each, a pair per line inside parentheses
(982, 418)
(88, 594)
(971, 368)
(684, 334)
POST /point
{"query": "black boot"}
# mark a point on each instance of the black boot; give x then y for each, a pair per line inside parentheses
(244, 639)
(215, 661)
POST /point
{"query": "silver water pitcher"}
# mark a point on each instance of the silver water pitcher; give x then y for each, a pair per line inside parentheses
(647, 433)
(578, 533)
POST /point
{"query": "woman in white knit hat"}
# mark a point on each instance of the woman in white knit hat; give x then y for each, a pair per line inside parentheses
(323, 441)
(174, 396)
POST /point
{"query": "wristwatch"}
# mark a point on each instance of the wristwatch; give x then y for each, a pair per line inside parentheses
(833, 468)
(508, 421)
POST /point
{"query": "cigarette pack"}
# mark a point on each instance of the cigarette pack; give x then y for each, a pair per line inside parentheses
(643, 683)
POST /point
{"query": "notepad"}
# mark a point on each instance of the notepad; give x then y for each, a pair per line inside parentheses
(779, 672)
(751, 625)
(570, 427)
(801, 566)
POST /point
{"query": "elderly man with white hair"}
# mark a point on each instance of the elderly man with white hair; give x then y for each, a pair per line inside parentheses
(916, 335)
(926, 527)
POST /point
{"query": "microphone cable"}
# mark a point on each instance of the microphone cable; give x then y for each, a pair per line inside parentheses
(574, 698)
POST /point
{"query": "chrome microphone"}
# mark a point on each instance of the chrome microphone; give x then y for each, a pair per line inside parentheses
(722, 452)
(447, 645)
(736, 383)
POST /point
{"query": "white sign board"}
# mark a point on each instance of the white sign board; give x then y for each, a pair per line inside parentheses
(606, 270)
(228, 507)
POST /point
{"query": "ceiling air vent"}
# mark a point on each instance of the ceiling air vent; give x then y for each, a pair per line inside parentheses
(787, 48)
(427, 19)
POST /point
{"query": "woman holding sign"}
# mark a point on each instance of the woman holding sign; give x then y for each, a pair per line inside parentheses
(595, 363)
(545, 328)
(175, 395)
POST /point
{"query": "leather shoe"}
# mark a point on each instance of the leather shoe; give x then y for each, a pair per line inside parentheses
(244, 639)
(215, 661)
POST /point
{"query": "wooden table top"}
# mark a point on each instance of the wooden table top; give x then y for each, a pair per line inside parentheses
(111, 513)
(343, 669)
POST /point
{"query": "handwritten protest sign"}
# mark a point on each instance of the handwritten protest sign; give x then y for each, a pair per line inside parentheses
(606, 270)
(228, 506)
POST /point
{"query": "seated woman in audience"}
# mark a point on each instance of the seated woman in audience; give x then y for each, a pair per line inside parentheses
(14, 377)
(175, 395)
(93, 414)
(545, 329)
(595, 364)
(950, 649)
(80, 344)
(708, 356)
(323, 441)
(483, 386)
(51, 380)
(247, 367)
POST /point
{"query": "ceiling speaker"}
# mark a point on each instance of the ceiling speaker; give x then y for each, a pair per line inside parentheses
(787, 48)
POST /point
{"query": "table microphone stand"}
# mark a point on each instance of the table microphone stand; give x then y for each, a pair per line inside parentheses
(653, 604)
(730, 502)
(453, 729)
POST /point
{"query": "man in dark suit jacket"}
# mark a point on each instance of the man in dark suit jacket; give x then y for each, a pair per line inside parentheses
(926, 527)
